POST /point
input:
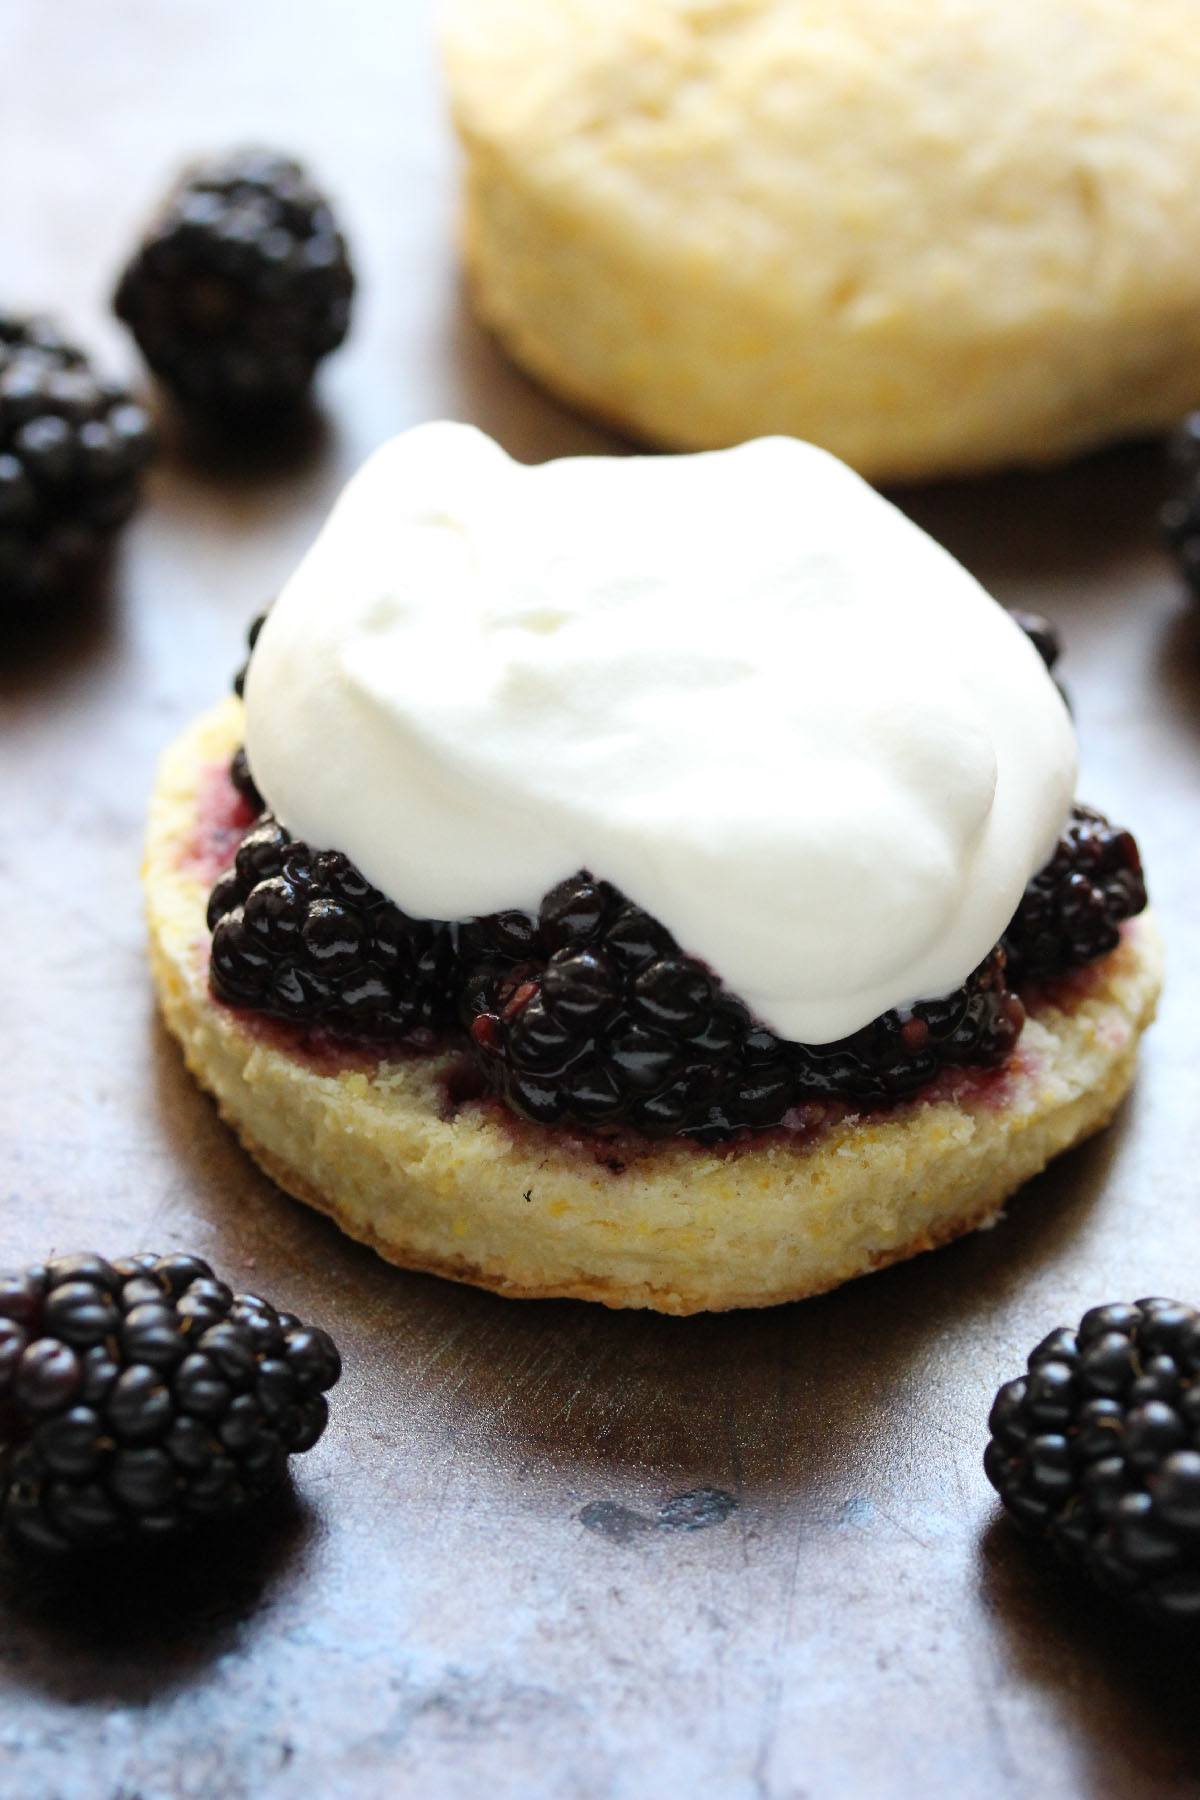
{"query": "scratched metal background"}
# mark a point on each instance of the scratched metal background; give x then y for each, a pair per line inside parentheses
(544, 1549)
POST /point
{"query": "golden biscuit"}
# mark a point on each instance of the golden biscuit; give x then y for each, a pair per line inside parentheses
(930, 235)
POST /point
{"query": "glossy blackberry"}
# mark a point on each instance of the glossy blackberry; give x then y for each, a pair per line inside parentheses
(299, 934)
(1041, 634)
(239, 768)
(1046, 641)
(241, 286)
(1071, 911)
(140, 1396)
(1180, 515)
(256, 625)
(72, 449)
(243, 781)
(592, 1014)
(1097, 1450)
(898, 1053)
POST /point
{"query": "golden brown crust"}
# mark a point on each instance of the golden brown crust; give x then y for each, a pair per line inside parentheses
(468, 1192)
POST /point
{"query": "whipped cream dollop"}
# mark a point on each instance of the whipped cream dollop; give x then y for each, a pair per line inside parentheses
(740, 685)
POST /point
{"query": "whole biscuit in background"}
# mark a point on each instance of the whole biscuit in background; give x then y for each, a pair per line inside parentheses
(934, 236)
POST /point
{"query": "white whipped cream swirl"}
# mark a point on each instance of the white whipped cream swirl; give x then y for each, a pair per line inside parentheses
(740, 685)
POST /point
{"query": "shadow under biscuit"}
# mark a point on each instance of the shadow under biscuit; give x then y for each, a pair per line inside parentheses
(1072, 520)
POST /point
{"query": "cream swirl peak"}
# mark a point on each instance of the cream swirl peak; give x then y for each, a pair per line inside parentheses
(739, 685)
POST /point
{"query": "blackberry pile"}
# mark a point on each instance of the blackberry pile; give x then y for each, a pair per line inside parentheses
(241, 286)
(1180, 515)
(1072, 910)
(298, 934)
(141, 1396)
(1096, 1449)
(72, 449)
(592, 1013)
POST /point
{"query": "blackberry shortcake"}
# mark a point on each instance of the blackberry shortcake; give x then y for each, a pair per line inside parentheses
(652, 880)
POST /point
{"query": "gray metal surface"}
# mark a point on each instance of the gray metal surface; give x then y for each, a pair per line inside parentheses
(543, 1549)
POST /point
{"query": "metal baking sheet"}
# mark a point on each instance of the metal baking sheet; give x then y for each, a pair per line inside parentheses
(543, 1549)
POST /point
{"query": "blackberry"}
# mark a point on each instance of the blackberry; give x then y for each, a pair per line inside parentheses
(241, 286)
(72, 449)
(592, 1014)
(900, 1052)
(1041, 634)
(243, 781)
(1180, 515)
(1096, 1449)
(256, 625)
(1071, 911)
(1046, 641)
(141, 1396)
(300, 935)
(239, 768)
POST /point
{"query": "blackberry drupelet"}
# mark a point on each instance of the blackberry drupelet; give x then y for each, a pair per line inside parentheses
(241, 286)
(592, 1014)
(141, 1396)
(1097, 1450)
(72, 449)
(1180, 515)
(1072, 910)
(300, 935)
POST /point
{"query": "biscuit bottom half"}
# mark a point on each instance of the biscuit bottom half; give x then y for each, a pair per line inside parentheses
(405, 1155)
